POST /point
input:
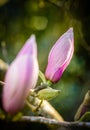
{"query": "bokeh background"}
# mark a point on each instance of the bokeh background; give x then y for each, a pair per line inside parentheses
(48, 20)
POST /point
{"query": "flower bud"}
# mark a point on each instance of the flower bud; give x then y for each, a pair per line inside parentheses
(60, 56)
(21, 77)
(84, 108)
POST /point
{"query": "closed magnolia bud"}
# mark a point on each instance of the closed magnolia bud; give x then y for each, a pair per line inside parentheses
(60, 56)
(21, 77)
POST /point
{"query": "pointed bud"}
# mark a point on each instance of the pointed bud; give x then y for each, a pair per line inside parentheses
(21, 77)
(60, 56)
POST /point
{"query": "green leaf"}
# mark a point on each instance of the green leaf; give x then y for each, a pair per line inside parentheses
(47, 93)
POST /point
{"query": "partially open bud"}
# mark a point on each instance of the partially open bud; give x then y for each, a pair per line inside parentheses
(21, 77)
(60, 56)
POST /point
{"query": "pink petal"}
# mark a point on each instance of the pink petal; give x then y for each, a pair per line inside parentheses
(60, 56)
(21, 76)
(30, 47)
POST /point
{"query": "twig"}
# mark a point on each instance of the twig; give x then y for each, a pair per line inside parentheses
(45, 109)
(2, 83)
(58, 4)
(3, 66)
(54, 122)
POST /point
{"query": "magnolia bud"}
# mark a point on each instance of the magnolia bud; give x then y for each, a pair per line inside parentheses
(21, 77)
(60, 56)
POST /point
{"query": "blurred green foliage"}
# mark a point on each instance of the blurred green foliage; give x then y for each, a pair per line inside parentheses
(48, 20)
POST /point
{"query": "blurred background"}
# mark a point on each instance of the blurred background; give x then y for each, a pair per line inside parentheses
(48, 20)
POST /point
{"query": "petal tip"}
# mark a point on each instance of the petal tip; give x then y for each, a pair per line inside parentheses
(32, 37)
(70, 29)
(70, 33)
(30, 47)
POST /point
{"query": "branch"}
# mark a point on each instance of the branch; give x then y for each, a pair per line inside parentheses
(3, 66)
(54, 3)
(55, 123)
(45, 109)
